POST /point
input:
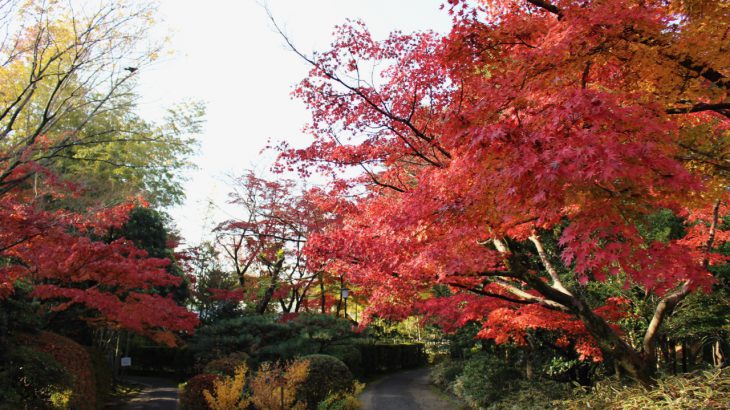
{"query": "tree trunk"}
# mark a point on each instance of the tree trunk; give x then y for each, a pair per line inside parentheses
(717, 355)
(323, 300)
(266, 298)
(640, 367)
(617, 370)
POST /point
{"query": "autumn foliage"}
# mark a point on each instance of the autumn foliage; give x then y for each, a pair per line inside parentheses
(64, 256)
(272, 386)
(515, 158)
(60, 71)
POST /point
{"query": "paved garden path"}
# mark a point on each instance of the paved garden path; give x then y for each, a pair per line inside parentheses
(409, 390)
(158, 394)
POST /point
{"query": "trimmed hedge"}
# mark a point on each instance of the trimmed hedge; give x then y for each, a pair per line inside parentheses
(384, 358)
(31, 379)
(227, 365)
(327, 375)
(73, 357)
(350, 355)
(178, 361)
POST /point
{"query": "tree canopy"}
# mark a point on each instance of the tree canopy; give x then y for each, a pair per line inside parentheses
(531, 123)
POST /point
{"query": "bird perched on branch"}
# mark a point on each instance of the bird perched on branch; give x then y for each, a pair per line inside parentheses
(131, 69)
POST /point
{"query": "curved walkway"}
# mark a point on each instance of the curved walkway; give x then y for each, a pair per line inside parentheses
(409, 390)
(158, 394)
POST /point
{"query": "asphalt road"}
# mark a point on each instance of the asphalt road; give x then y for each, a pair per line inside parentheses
(408, 390)
(158, 394)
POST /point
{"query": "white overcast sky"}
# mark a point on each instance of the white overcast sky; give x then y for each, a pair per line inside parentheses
(227, 54)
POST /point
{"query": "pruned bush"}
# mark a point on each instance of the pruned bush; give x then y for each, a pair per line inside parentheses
(276, 387)
(349, 354)
(227, 365)
(191, 396)
(31, 379)
(266, 339)
(228, 393)
(77, 362)
(445, 373)
(381, 358)
(327, 375)
(345, 400)
(485, 379)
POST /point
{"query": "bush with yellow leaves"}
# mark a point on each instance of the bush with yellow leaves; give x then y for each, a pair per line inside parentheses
(273, 387)
(228, 393)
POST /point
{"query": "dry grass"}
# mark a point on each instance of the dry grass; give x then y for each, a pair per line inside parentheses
(701, 390)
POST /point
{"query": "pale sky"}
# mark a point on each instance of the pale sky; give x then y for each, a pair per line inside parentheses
(228, 55)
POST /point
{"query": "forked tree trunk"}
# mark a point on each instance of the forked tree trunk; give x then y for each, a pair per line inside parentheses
(640, 367)
(269, 293)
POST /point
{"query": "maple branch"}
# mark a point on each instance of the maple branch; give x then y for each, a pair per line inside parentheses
(686, 61)
(586, 73)
(548, 265)
(711, 236)
(704, 70)
(491, 294)
(708, 157)
(547, 303)
(548, 7)
(384, 111)
(665, 306)
(720, 108)
(567, 301)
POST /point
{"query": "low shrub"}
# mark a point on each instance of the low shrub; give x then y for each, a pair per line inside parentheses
(327, 375)
(31, 379)
(160, 359)
(227, 365)
(535, 394)
(275, 387)
(75, 359)
(708, 389)
(345, 400)
(349, 354)
(446, 372)
(228, 394)
(381, 358)
(191, 396)
(484, 380)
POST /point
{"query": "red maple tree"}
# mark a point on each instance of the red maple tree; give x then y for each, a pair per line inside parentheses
(265, 246)
(529, 120)
(65, 258)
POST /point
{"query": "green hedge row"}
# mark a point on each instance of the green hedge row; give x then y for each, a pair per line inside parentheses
(384, 358)
(178, 362)
(362, 359)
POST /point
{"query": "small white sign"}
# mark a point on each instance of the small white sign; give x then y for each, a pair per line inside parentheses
(126, 361)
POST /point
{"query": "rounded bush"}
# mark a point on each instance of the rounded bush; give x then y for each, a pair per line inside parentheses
(350, 355)
(32, 379)
(226, 365)
(75, 359)
(327, 375)
(191, 396)
(485, 378)
(446, 372)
